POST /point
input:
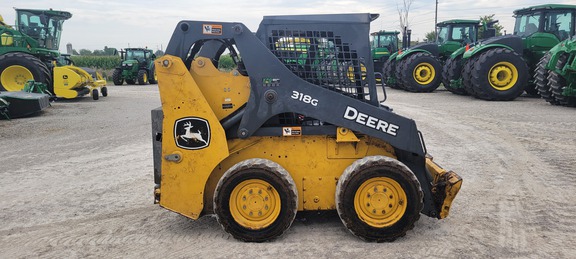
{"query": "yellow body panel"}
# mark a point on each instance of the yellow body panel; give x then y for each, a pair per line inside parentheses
(183, 180)
(452, 180)
(224, 91)
(314, 162)
(6, 39)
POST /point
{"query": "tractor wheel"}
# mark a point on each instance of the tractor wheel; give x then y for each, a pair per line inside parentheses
(142, 77)
(130, 81)
(420, 73)
(378, 198)
(153, 79)
(499, 75)
(467, 75)
(452, 70)
(104, 91)
(117, 76)
(556, 82)
(256, 200)
(389, 73)
(17, 68)
(541, 80)
(95, 94)
(398, 74)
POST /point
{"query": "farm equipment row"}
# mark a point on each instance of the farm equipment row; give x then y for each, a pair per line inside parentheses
(496, 68)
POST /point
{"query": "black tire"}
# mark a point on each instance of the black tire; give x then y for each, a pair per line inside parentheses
(32, 66)
(541, 80)
(153, 78)
(452, 70)
(95, 94)
(398, 73)
(421, 73)
(557, 83)
(267, 179)
(117, 76)
(130, 81)
(142, 77)
(467, 75)
(375, 214)
(104, 91)
(389, 73)
(499, 75)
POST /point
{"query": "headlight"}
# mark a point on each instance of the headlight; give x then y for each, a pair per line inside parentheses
(130, 65)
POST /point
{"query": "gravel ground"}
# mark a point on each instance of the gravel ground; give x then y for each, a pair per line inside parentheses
(77, 182)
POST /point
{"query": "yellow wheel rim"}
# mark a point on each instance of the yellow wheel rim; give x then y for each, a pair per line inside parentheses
(380, 202)
(15, 77)
(254, 204)
(424, 73)
(145, 77)
(351, 72)
(155, 76)
(503, 76)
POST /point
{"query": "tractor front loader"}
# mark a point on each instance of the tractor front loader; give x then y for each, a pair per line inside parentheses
(287, 132)
(30, 52)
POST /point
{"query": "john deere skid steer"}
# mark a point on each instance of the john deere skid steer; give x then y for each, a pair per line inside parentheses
(277, 136)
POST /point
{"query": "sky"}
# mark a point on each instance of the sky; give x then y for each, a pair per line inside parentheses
(150, 23)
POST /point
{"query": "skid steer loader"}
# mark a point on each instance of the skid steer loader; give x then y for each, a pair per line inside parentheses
(279, 134)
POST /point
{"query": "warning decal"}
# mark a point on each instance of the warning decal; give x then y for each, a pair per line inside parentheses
(291, 131)
(212, 29)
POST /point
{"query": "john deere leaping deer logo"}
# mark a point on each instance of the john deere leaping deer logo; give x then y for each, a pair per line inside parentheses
(192, 133)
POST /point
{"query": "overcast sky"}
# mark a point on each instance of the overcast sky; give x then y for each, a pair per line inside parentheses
(150, 23)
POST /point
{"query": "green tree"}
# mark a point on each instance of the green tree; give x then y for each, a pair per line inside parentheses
(430, 36)
(226, 63)
(486, 20)
(85, 52)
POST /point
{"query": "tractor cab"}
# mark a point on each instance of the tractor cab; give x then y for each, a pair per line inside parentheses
(453, 34)
(384, 43)
(131, 56)
(44, 26)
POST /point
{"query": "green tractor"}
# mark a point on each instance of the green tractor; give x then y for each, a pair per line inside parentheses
(137, 65)
(383, 44)
(499, 68)
(556, 74)
(29, 52)
(418, 68)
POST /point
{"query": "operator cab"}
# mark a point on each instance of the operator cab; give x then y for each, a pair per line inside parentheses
(44, 26)
(461, 31)
(552, 19)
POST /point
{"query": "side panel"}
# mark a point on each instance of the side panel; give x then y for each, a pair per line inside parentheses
(193, 141)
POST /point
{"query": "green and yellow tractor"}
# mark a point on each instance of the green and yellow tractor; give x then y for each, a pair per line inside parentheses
(556, 74)
(137, 66)
(29, 52)
(383, 45)
(502, 68)
(418, 68)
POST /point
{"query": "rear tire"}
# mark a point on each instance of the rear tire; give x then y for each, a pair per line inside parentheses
(467, 75)
(421, 73)
(256, 200)
(452, 70)
(499, 75)
(104, 91)
(557, 83)
(378, 198)
(389, 73)
(541, 80)
(398, 73)
(117, 76)
(142, 77)
(153, 79)
(17, 68)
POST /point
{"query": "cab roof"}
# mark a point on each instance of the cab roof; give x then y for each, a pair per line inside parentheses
(544, 7)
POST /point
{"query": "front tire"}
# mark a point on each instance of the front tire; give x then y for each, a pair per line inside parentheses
(142, 77)
(153, 79)
(256, 200)
(541, 80)
(378, 198)
(420, 73)
(557, 83)
(452, 70)
(499, 75)
(117, 76)
(17, 68)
